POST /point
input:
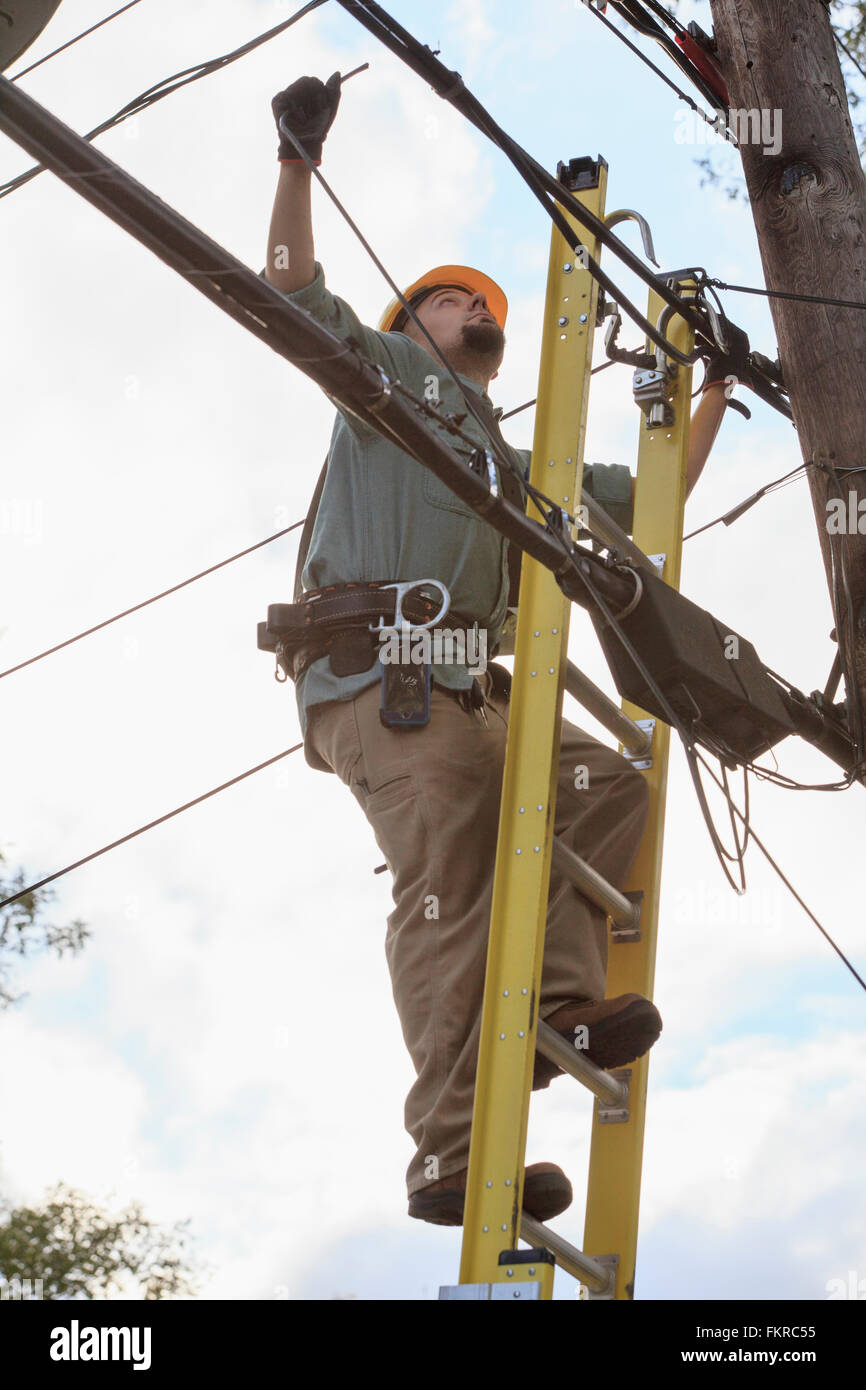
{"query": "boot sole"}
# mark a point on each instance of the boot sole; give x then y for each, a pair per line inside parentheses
(545, 1195)
(617, 1040)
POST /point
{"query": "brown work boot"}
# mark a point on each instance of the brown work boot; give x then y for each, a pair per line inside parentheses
(546, 1193)
(618, 1031)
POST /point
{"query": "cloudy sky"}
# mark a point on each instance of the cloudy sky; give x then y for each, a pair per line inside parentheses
(226, 1048)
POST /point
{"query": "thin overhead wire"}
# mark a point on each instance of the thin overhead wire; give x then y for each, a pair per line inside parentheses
(788, 294)
(145, 602)
(790, 887)
(160, 820)
(70, 42)
(734, 513)
(683, 96)
(168, 85)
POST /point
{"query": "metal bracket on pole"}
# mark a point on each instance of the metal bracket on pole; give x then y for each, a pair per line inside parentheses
(640, 761)
(620, 934)
(610, 1113)
(611, 1263)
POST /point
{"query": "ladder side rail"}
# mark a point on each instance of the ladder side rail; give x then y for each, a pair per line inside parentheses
(616, 1152)
(506, 1058)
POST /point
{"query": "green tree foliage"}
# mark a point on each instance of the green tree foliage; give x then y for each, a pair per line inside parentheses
(24, 930)
(79, 1251)
(75, 1249)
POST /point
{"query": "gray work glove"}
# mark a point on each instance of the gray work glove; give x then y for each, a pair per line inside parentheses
(308, 108)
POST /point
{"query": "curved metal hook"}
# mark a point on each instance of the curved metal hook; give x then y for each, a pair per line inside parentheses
(630, 215)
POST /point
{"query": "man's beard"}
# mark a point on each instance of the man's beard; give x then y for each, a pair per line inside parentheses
(485, 338)
(483, 335)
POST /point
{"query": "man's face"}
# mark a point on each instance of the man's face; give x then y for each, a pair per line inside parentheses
(460, 320)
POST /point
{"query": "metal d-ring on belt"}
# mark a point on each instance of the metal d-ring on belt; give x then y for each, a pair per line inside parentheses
(334, 621)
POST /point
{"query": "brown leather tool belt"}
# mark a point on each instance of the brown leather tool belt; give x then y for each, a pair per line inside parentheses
(334, 621)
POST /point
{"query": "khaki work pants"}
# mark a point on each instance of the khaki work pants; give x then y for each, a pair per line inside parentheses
(432, 795)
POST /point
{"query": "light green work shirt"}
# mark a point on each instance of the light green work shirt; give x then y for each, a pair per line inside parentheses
(384, 516)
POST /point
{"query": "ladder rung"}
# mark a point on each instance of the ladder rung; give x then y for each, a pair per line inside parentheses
(553, 1046)
(633, 738)
(594, 887)
(583, 1267)
(607, 530)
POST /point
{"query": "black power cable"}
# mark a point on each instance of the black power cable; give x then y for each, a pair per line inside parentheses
(527, 488)
(714, 122)
(450, 86)
(672, 718)
(693, 756)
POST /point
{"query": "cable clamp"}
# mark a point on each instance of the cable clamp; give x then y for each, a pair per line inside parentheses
(456, 86)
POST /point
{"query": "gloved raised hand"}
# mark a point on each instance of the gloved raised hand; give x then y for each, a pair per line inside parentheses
(308, 108)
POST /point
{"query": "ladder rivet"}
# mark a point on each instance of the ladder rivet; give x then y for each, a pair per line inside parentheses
(524, 990)
(550, 670)
(539, 807)
(568, 460)
(552, 463)
(489, 1184)
(564, 320)
(503, 1228)
(509, 1272)
(533, 673)
(565, 498)
(502, 1037)
(537, 848)
(507, 1182)
(555, 630)
(584, 317)
(521, 1034)
(485, 1229)
(505, 993)
(568, 267)
(532, 1269)
(536, 634)
(518, 851)
(522, 810)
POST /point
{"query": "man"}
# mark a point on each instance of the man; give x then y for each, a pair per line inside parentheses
(432, 793)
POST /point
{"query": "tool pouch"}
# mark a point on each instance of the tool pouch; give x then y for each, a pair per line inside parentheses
(352, 651)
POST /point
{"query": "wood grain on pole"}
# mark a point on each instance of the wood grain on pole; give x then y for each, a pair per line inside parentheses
(809, 205)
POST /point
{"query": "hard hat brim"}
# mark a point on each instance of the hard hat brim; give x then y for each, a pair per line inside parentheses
(467, 277)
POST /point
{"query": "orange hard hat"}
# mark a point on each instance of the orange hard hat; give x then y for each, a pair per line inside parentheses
(464, 277)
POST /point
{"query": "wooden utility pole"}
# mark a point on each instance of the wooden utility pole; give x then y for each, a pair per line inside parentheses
(809, 204)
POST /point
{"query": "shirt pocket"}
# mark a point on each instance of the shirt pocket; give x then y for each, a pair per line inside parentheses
(438, 494)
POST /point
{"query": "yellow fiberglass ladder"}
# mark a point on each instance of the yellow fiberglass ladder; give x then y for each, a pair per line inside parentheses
(492, 1265)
